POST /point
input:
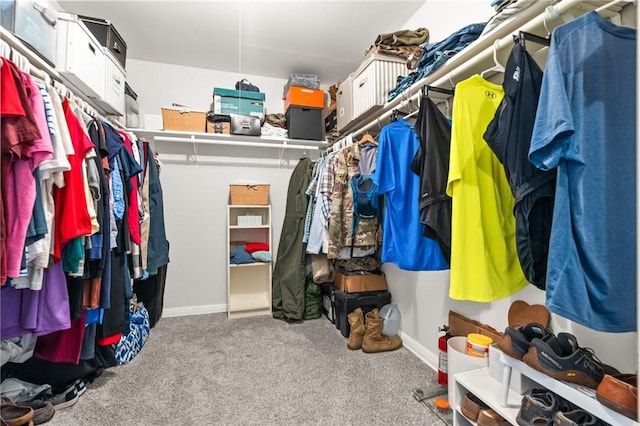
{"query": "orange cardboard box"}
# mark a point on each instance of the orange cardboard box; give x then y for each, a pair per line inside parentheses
(303, 96)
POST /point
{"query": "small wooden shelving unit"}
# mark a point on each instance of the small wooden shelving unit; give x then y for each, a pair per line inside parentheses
(248, 285)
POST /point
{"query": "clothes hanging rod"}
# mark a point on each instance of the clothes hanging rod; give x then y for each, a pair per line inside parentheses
(236, 143)
(613, 3)
(465, 63)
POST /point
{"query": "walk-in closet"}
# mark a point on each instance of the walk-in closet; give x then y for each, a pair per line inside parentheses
(243, 212)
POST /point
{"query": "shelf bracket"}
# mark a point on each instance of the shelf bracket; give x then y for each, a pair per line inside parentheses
(506, 382)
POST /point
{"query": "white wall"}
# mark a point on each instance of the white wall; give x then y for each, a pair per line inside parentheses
(158, 85)
(195, 181)
(422, 297)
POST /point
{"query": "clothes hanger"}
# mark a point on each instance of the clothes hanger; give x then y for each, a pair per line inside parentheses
(427, 89)
(498, 67)
(367, 138)
(523, 36)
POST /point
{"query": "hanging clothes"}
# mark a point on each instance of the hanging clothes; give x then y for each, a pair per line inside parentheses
(484, 261)
(289, 272)
(404, 243)
(342, 237)
(431, 164)
(586, 127)
(509, 137)
(157, 246)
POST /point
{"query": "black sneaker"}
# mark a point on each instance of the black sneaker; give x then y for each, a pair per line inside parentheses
(577, 417)
(539, 406)
(66, 398)
(561, 358)
(81, 386)
(516, 340)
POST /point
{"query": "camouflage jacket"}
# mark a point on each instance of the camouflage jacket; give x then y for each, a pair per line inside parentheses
(341, 218)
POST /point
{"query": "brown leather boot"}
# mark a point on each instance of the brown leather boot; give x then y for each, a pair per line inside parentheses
(374, 341)
(356, 325)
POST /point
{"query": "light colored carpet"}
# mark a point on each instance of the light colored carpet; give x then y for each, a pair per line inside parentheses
(207, 370)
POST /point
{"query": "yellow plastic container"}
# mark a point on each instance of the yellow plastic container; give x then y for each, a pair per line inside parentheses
(478, 345)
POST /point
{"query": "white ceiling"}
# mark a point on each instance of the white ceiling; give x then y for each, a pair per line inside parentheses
(273, 38)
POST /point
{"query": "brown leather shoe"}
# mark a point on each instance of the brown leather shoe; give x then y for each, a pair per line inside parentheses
(16, 415)
(471, 407)
(620, 393)
(489, 417)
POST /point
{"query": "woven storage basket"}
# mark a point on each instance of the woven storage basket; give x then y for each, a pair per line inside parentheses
(184, 119)
(249, 194)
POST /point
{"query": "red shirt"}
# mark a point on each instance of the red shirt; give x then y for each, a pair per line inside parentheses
(72, 215)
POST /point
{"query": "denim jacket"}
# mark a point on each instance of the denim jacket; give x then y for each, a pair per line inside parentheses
(437, 54)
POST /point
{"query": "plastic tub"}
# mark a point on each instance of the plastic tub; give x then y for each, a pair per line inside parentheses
(478, 345)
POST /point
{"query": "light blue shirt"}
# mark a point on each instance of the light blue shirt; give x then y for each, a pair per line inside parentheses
(586, 126)
(117, 189)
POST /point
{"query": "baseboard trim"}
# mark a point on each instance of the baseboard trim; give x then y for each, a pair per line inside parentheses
(194, 310)
(420, 351)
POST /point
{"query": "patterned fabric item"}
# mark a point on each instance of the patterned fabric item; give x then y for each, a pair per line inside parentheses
(341, 218)
(131, 344)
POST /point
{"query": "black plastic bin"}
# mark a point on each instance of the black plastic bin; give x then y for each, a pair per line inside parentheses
(304, 123)
(345, 303)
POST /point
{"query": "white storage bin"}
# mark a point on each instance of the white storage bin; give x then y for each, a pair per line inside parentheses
(344, 103)
(113, 101)
(79, 56)
(35, 23)
(372, 81)
(249, 220)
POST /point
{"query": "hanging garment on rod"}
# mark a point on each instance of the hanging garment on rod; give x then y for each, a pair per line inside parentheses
(586, 127)
(341, 235)
(509, 137)
(404, 243)
(484, 261)
(318, 236)
(289, 272)
(431, 164)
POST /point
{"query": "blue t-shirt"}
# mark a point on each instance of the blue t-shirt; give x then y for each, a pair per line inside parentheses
(585, 126)
(403, 242)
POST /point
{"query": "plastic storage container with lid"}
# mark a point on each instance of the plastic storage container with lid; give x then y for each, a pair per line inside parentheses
(478, 345)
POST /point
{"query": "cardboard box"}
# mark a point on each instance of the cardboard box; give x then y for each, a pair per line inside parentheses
(228, 101)
(249, 195)
(303, 96)
(183, 119)
(223, 127)
(459, 325)
(360, 283)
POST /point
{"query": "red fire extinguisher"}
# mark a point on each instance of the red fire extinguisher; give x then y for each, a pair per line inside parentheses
(442, 358)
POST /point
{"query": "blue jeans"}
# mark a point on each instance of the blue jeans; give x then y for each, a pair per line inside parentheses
(437, 54)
